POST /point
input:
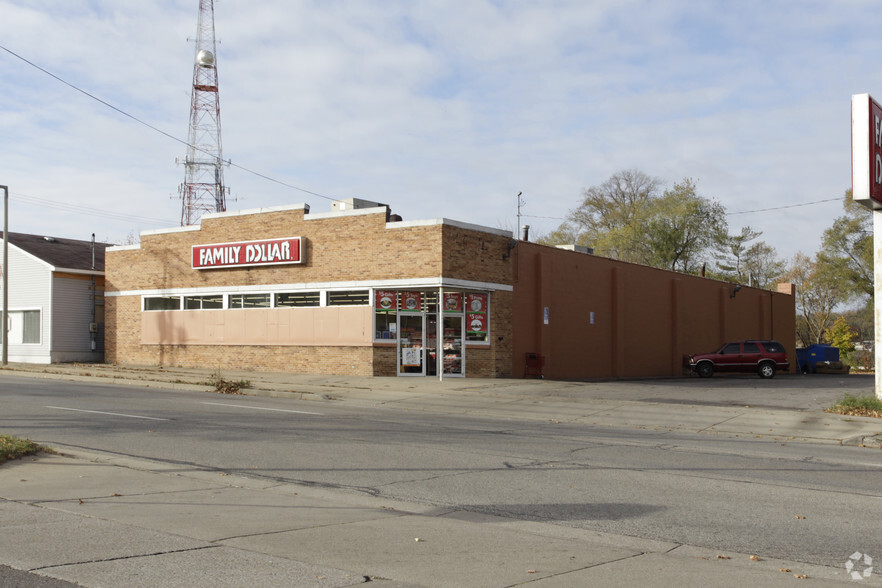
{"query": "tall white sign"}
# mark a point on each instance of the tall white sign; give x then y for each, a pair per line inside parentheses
(866, 187)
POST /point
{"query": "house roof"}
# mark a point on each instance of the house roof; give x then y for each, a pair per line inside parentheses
(60, 253)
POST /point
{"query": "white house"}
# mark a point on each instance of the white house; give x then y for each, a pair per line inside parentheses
(56, 299)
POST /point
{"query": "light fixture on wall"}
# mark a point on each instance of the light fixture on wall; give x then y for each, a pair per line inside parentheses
(735, 290)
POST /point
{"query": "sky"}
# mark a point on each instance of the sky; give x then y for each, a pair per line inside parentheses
(437, 108)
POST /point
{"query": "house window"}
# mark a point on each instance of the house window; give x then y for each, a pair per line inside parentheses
(23, 327)
(288, 299)
(203, 302)
(162, 303)
(349, 298)
(249, 300)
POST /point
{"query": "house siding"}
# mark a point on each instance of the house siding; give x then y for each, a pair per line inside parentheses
(30, 289)
(72, 300)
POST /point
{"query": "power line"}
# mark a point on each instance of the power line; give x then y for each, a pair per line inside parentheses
(158, 130)
(86, 210)
(293, 187)
(728, 213)
(785, 206)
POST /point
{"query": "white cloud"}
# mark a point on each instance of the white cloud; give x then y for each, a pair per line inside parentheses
(438, 108)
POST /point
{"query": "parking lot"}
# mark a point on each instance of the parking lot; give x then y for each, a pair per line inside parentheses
(784, 391)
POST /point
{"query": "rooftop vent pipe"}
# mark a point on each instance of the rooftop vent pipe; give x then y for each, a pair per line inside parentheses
(525, 232)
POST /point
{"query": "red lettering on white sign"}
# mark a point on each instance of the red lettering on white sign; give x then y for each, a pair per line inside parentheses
(247, 253)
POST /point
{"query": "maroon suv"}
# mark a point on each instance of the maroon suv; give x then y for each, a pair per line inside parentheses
(762, 356)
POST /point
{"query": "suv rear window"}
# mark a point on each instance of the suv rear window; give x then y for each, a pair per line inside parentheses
(773, 347)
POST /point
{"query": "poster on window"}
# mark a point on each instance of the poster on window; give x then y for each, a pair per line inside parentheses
(385, 299)
(476, 323)
(476, 303)
(453, 302)
(411, 357)
(410, 301)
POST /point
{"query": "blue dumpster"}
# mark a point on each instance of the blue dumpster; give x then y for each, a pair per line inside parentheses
(809, 357)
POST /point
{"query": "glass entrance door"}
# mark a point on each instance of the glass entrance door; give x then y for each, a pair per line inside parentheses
(452, 349)
(411, 344)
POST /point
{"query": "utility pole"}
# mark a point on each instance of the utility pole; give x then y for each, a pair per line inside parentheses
(203, 189)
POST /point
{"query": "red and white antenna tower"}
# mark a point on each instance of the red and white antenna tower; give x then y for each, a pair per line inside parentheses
(203, 189)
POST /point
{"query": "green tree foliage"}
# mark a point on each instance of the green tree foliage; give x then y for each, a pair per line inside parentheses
(818, 293)
(682, 228)
(627, 218)
(610, 217)
(754, 264)
(847, 250)
(841, 335)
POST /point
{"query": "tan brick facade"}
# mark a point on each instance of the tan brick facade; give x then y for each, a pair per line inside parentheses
(339, 250)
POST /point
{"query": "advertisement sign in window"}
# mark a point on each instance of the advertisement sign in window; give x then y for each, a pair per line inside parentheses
(410, 301)
(476, 317)
(476, 303)
(385, 300)
(453, 302)
(476, 323)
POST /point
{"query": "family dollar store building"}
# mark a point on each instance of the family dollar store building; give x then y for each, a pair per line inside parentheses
(358, 291)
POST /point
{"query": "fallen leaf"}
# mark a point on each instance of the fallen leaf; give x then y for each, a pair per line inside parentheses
(531, 571)
(800, 576)
(417, 539)
(115, 494)
(754, 558)
(785, 570)
(723, 557)
(800, 517)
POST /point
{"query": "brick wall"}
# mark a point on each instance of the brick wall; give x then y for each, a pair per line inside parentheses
(338, 248)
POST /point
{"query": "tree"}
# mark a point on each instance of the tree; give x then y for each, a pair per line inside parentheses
(841, 335)
(762, 265)
(817, 295)
(734, 253)
(626, 218)
(608, 219)
(847, 250)
(683, 228)
(754, 264)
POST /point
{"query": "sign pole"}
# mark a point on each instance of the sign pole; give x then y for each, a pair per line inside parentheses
(5, 275)
(866, 188)
(877, 299)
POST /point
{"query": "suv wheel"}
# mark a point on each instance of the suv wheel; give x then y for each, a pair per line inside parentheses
(767, 369)
(705, 369)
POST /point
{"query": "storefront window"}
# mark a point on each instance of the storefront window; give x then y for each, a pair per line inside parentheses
(349, 298)
(477, 322)
(288, 299)
(385, 317)
(213, 301)
(162, 303)
(249, 300)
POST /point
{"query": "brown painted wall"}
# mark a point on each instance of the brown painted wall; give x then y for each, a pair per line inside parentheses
(645, 319)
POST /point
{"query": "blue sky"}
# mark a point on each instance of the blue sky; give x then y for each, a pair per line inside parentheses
(438, 108)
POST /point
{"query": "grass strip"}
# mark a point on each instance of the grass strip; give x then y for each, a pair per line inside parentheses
(858, 406)
(15, 448)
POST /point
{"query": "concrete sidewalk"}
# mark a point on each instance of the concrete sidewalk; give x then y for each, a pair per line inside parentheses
(98, 520)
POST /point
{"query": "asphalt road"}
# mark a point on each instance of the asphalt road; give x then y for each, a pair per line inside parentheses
(812, 503)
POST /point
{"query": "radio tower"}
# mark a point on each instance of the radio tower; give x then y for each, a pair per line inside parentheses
(203, 189)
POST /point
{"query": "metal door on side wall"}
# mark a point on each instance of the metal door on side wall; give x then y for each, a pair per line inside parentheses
(411, 344)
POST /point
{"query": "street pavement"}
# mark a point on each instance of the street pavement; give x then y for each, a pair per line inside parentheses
(95, 519)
